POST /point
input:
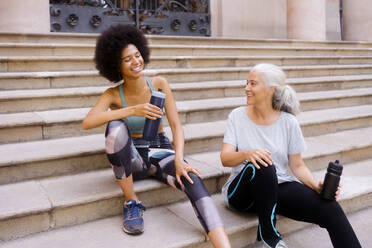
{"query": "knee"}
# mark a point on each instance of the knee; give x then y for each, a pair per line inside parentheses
(330, 213)
(268, 172)
(114, 125)
(197, 189)
(196, 180)
(116, 136)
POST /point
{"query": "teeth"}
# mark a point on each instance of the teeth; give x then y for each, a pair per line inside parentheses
(137, 68)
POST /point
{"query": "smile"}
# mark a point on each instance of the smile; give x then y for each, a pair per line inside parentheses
(138, 68)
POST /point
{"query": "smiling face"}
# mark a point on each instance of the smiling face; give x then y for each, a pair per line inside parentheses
(256, 90)
(132, 63)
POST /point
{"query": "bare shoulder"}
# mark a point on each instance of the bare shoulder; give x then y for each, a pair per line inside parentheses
(110, 92)
(112, 96)
(159, 82)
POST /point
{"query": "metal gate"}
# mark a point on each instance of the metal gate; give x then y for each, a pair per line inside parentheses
(166, 17)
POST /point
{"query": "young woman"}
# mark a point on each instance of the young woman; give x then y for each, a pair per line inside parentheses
(121, 54)
(261, 141)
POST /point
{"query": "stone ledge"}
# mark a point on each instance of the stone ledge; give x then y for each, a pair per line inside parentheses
(161, 220)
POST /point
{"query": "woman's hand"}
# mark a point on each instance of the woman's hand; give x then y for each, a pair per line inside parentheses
(148, 110)
(257, 155)
(182, 168)
(320, 187)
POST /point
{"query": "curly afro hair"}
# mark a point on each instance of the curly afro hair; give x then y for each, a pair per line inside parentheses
(110, 45)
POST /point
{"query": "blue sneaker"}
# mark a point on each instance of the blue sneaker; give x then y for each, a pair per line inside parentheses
(133, 221)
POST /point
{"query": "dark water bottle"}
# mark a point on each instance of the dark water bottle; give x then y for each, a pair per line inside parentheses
(331, 180)
(152, 126)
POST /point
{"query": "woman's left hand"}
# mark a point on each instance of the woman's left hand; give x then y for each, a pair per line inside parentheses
(182, 168)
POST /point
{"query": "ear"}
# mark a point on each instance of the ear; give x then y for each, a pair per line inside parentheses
(272, 90)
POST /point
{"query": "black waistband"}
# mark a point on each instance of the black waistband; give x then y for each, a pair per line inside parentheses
(160, 141)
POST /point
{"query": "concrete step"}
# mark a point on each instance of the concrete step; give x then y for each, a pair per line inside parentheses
(83, 197)
(76, 63)
(241, 73)
(183, 50)
(234, 88)
(53, 157)
(53, 199)
(29, 126)
(47, 99)
(47, 38)
(52, 124)
(40, 49)
(225, 41)
(214, 89)
(75, 38)
(46, 49)
(62, 79)
(43, 99)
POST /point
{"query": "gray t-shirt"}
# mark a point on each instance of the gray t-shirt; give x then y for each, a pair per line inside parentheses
(282, 138)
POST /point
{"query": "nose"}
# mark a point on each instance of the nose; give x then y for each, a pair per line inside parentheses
(247, 87)
(136, 60)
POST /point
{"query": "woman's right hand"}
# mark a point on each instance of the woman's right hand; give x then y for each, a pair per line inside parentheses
(261, 156)
(148, 110)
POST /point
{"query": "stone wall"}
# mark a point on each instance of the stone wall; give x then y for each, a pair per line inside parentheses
(24, 16)
(275, 19)
(357, 20)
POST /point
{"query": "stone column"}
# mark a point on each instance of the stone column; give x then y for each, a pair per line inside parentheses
(249, 18)
(24, 16)
(306, 19)
(357, 20)
(216, 18)
(333, 22)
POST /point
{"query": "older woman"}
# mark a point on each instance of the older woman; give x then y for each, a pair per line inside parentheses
(261, 141)
(121, 55)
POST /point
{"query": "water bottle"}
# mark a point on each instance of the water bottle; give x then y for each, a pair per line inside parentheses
(331, 180)
(152, 126)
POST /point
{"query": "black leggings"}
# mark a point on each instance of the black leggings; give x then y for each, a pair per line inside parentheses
(142, 159)
(258, 191)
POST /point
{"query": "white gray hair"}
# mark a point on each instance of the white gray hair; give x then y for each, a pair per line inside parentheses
(284, 98)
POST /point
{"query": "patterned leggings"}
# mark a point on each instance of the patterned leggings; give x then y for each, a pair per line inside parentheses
(143, 159)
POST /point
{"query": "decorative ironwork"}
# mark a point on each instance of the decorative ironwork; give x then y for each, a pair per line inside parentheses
(167, 17)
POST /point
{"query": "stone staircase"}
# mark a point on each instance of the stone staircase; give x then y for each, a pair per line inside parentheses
(55, 182)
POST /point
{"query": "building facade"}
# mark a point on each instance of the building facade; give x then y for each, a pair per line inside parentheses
(348, 20)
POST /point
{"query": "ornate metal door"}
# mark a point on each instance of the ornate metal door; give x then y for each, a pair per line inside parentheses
(166, 17)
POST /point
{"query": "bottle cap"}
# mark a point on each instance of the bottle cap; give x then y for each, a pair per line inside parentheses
(158, 94)
(335, 167)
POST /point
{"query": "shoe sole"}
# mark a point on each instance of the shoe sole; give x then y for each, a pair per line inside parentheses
(131, 232)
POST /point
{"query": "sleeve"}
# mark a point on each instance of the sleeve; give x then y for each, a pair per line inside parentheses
(296, 142)
(230, 133)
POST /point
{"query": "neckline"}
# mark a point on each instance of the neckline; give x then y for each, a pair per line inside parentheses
(123, 102)
(262, 126)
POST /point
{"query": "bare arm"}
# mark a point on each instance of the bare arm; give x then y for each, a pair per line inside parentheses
(302, 172)
(177, 131)
(230, 157)
(100, 113)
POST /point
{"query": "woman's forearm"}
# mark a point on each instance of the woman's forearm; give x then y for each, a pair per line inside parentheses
(231, 159)
(178, 142)
(305, 176)
(96, 119)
